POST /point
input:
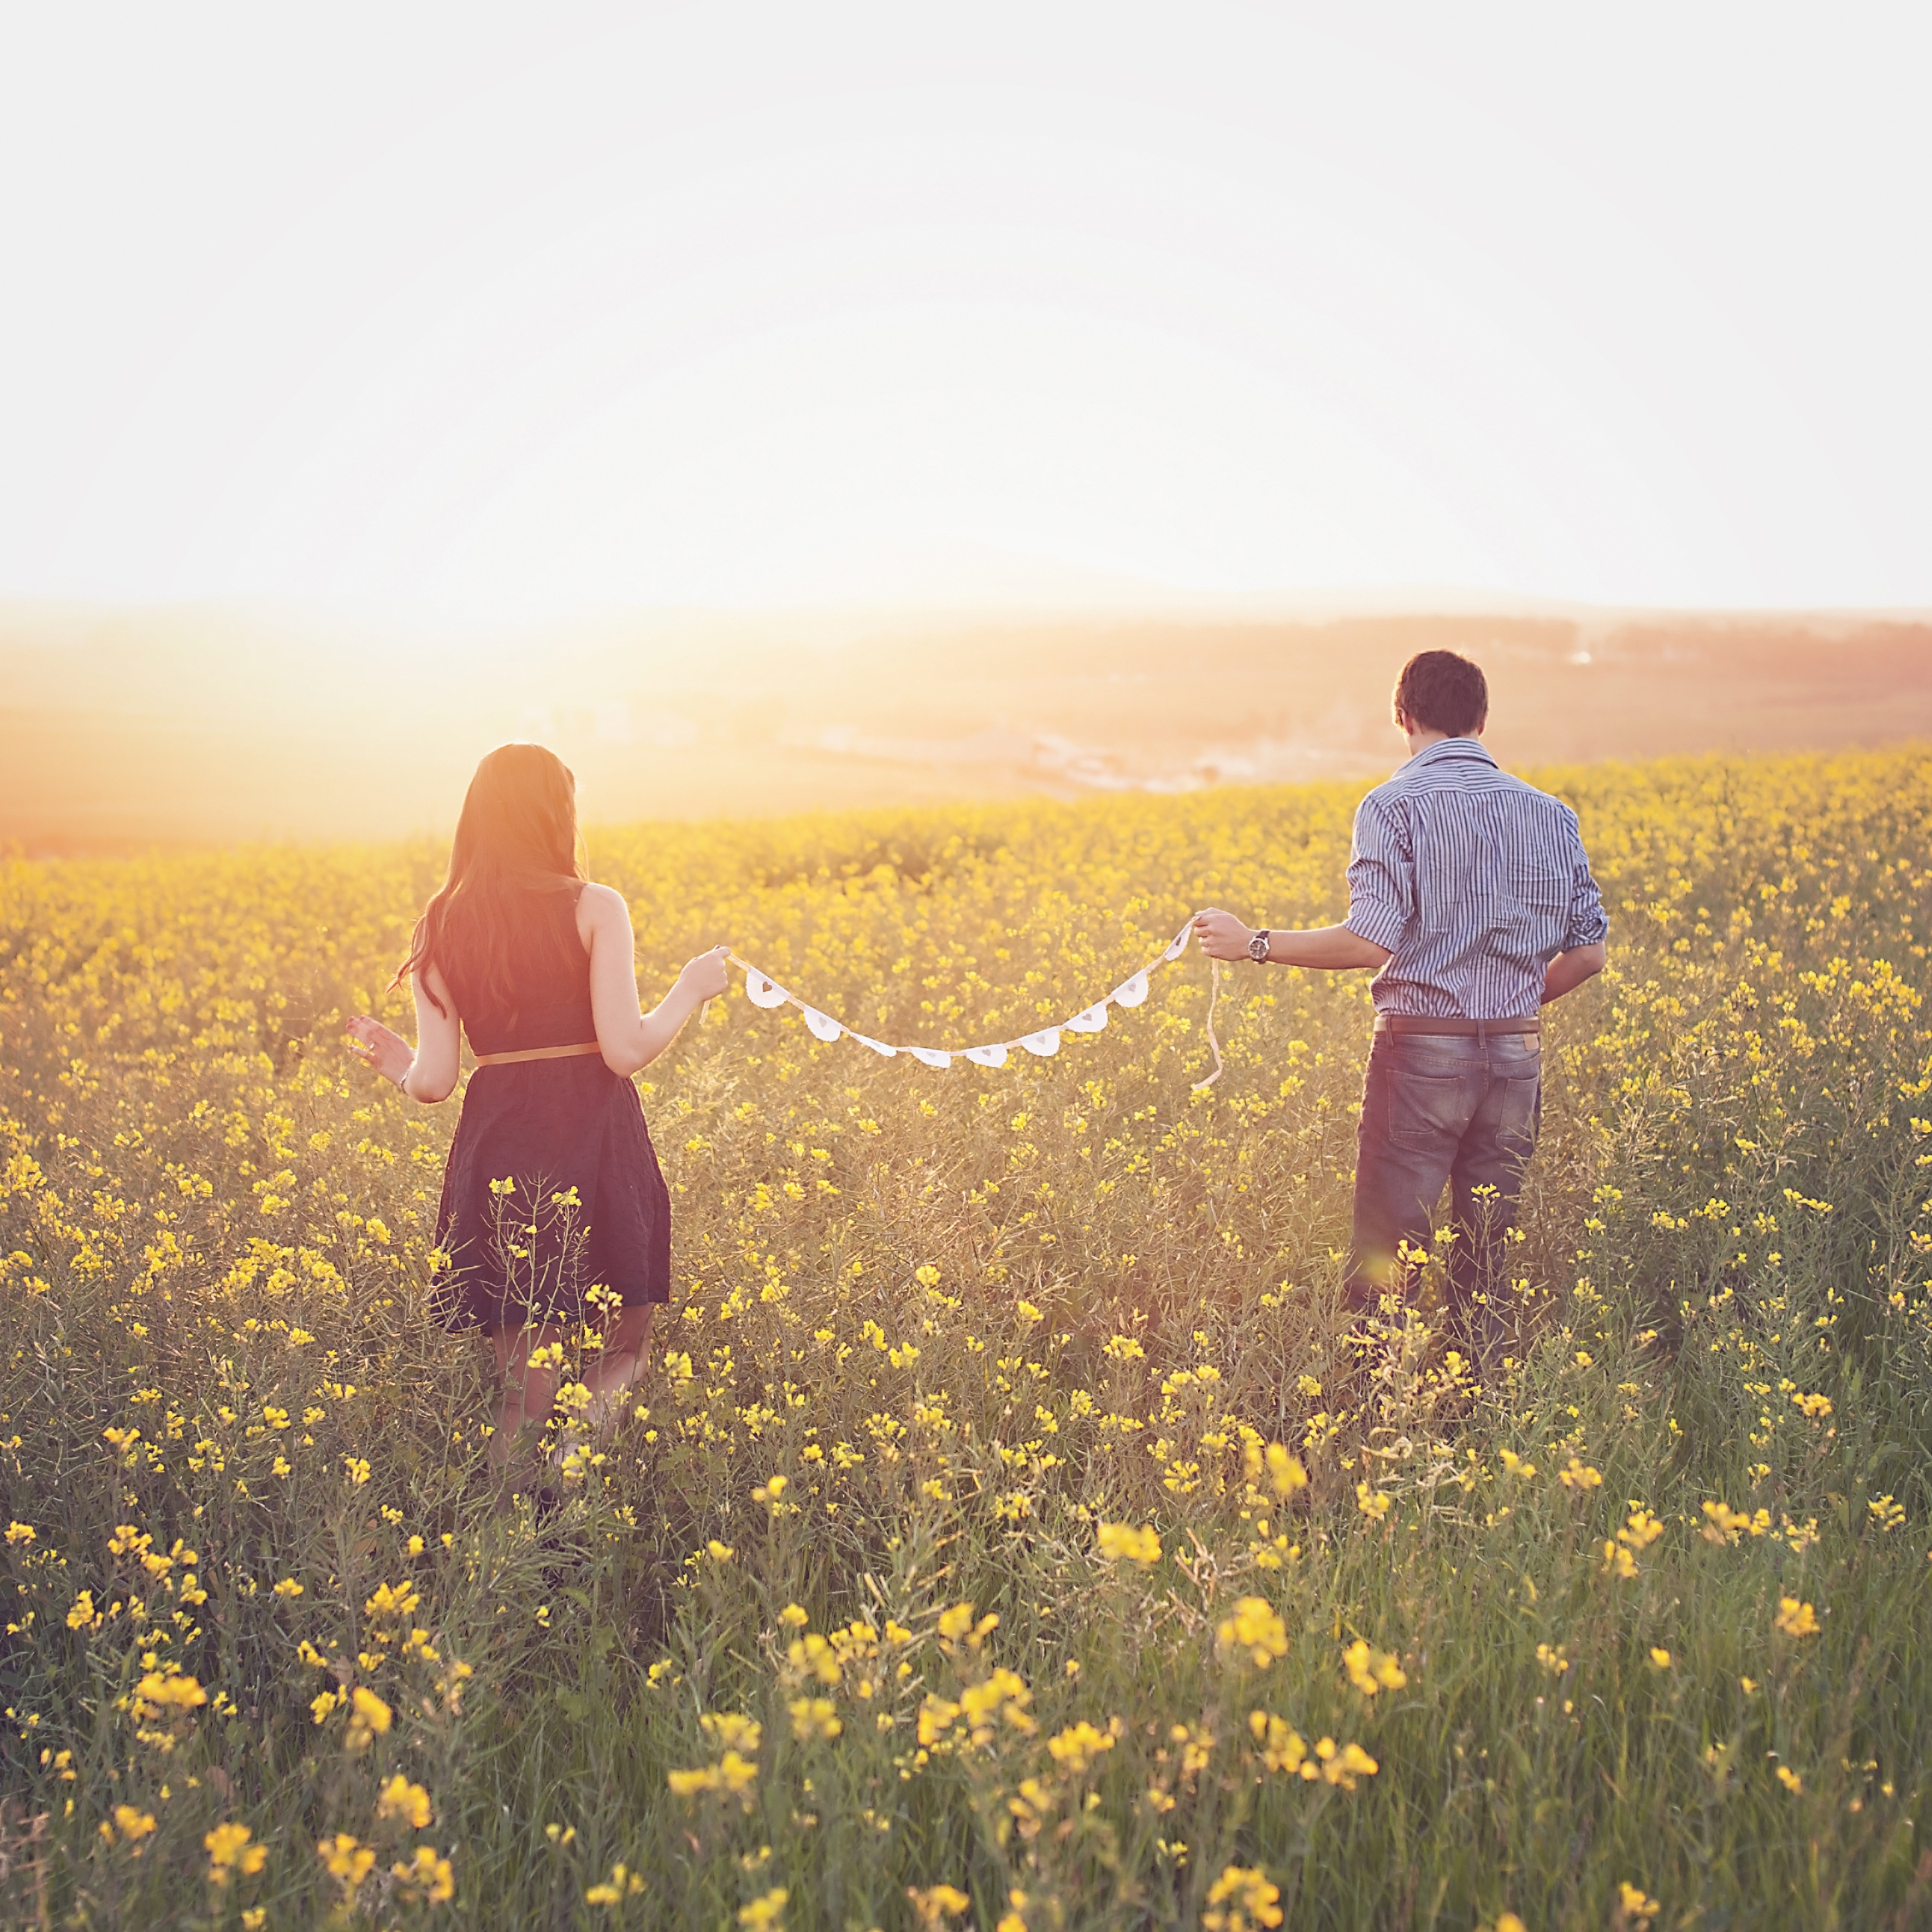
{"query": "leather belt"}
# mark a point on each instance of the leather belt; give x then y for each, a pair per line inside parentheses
(537, 1053)
(1461, 1029)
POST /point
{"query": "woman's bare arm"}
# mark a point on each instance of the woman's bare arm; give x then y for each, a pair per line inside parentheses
(631, 1039)
(428, 1073)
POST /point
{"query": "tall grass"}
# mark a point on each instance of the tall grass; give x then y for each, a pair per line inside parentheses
(958, 1435)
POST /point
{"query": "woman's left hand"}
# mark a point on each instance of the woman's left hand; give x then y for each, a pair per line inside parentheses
(379, 1049)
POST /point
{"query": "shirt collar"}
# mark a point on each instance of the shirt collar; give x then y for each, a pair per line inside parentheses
(1451, 748)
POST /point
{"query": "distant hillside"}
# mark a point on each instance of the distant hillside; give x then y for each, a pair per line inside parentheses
(127, 728)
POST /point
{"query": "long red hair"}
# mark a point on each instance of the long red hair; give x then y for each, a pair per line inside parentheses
(517, 839)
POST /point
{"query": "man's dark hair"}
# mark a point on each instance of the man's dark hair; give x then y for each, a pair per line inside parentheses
(1444, 692)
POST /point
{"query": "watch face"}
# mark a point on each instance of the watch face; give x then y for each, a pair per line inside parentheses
(1258, 947)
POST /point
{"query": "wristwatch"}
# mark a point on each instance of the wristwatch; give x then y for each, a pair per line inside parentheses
(1258, 947)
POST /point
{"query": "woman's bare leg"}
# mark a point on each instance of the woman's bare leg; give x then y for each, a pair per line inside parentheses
(528, 1394)
(618, 1363)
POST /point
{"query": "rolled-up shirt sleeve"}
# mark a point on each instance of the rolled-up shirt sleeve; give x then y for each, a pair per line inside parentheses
(1588, 924)
(1381, 876)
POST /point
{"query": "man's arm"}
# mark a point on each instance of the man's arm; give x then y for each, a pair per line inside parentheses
(1568, 970)
(1330, 948)
(1584, 942)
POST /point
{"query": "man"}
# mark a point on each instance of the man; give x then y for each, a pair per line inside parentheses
(1469, 892)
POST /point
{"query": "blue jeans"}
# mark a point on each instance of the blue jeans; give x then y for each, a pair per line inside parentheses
(1439, 1107)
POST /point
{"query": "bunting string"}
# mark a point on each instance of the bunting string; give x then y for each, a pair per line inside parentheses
(762, 990)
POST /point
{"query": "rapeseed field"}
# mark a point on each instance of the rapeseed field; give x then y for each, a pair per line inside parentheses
(997, 1539)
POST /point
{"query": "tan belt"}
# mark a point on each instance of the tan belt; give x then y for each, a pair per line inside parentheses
(537, 1053)
(1461, 1029)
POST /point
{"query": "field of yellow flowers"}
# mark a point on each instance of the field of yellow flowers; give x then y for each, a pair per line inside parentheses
(994, 1541)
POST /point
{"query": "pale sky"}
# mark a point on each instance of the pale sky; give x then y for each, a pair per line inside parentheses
(487, 311)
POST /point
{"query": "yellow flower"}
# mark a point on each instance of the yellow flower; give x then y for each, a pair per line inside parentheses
(731, 1730)
(1241, 1899)
(957, 1623)
(135, 1825)
(369, 1716)
(1580, 1476)
(1372, 1670)
(814, 1718)
(427, 1879)
(1790, 1780)
(1795, 1619)
(766, 1914)
(1003, 1695)
(813, 1656)
(391, 1602)
(229, 1851)
(1659, 1658)
(1637, 1908)
(288, 1587)
(1282, 1748)
(176, 1693)
(622, 1883)
(937, 1903)
(20, 1532)
(1076, 1747)
(1725, 1524)
(401, 1799)
(1286, 1472)
(1342, 1765)
(1256, 1629)
(1121, 1542)
(350, 1862)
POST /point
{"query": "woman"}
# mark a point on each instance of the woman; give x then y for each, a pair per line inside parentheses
(554, 1217)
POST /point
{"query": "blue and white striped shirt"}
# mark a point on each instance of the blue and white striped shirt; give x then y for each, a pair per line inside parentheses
(1474, 880)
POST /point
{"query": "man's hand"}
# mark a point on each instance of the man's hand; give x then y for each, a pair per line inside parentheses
(1568, 970)
(1222, 935)
(1332, 949)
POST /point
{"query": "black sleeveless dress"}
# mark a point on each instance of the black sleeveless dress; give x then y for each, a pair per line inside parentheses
(572, 1128)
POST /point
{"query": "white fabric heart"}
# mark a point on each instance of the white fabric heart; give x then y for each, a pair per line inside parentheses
(763, 992)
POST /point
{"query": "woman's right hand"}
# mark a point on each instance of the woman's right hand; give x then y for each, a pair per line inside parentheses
(378, 1048)
(708, 975)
